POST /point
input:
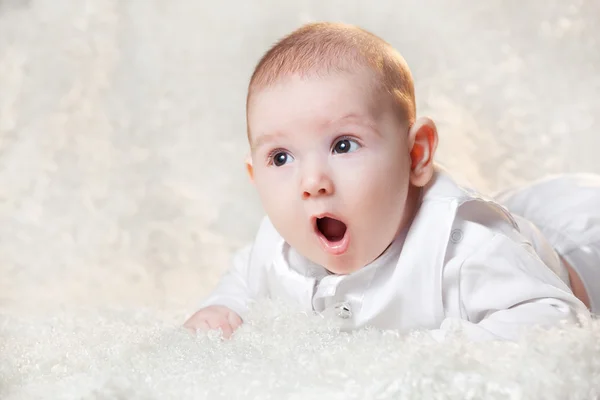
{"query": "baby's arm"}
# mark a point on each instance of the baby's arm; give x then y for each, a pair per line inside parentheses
(504, 287)
(228, 301)
(243, 283)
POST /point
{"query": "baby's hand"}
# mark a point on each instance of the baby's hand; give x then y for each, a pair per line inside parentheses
(214, 317)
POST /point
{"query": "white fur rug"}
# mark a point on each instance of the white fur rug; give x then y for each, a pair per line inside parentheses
(123, 192)
(282, 354)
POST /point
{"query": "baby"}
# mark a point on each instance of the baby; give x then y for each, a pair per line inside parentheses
(361, 223)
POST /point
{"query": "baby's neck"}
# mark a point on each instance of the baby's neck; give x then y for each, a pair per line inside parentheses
(413, 201)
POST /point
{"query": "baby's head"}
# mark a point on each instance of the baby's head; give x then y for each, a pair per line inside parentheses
(336, 153)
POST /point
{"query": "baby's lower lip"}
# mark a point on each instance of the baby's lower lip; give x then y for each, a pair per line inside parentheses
(334, 248)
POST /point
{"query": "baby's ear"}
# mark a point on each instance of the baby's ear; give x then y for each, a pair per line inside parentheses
(249, 168)
(423, 140)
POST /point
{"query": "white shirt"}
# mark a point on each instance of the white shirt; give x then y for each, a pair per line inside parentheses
(566, 209)
(462, 263)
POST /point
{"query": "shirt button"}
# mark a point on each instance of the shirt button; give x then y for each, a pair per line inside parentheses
(344, 310)
(456, 236)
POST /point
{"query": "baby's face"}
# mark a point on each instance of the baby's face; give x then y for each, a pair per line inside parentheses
(331, 164)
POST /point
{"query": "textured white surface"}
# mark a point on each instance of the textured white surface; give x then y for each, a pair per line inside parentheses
(122, 139)
(280, 354)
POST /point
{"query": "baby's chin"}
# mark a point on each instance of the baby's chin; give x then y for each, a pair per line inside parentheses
(344, 267)
(340, 271)
(350, 262)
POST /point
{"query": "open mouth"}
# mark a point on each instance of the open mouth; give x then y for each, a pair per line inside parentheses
(332, 229)
(332, 234)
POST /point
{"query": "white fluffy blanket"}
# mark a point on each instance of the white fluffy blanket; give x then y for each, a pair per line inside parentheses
(123, 192)
(282, 354)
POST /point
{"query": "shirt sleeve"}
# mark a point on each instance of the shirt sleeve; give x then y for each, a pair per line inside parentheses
(232, 290)
(504, 287)
(245, 281)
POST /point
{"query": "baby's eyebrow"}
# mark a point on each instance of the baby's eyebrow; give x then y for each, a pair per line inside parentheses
(264, 139)
(357, 119)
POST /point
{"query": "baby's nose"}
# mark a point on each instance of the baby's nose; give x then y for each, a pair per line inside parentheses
(317, 185)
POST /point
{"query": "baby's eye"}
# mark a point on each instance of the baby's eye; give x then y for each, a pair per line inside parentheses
(345, 145)
(281, 158)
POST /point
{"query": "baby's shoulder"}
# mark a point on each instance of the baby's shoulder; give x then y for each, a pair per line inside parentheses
(266, 242)
(474, 217)
(479, 220)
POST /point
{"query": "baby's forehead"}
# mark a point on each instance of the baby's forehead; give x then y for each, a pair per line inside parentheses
(361, 83)
(350, 95)
(287, 117)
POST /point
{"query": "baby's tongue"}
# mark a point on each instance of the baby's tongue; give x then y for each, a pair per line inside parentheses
(332, 229)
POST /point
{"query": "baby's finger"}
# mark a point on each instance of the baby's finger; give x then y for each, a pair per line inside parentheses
(227, 330)
(203, 326)
(234, 320)
(215, 322)
(190, 324)
(195, 326)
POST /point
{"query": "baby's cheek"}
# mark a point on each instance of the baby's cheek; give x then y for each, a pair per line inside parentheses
(278, 200)
(373, 184)
(273, 187)
(383, 200)
(276, 209)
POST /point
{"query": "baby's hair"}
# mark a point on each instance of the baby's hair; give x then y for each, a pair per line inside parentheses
(323, 48)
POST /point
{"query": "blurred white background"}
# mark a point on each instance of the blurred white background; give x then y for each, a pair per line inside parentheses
(122, 132)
